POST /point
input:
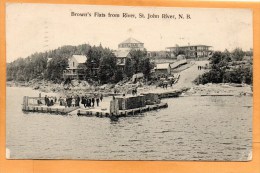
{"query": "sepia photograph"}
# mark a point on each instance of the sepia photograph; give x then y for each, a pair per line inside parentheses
(99, 82)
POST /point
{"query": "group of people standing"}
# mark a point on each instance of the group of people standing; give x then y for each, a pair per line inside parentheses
(200, 67)
(89, 101)
(49, 101)
(86, 101)
(69, 101)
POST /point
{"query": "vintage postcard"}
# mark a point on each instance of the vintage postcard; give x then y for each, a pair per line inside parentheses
(96, 82)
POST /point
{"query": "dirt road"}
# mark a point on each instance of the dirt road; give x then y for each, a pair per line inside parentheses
(186, 79)
(189, 75)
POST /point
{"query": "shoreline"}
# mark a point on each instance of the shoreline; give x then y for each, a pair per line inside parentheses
(221, 89)
(184, 86)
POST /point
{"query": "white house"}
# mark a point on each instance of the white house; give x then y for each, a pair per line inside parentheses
(73, 71)
(130, 44)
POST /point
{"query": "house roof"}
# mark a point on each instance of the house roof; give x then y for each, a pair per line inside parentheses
(121, 54)
(162, 66)
(80, 58)
(130, 40)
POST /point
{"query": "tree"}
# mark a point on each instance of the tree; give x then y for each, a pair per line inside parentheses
(107, 68)
(118, 76)
(147, 67)
(100, 65)
(216, 57)
(227, 56)
(248, 75)
(180, 52)
(55, 69)
(222, 72)
(129, 69)
(137, 56)
(238, 54)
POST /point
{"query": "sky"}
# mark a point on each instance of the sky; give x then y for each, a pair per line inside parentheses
(34, 28)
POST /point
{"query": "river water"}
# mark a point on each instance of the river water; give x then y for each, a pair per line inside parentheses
(191, 128)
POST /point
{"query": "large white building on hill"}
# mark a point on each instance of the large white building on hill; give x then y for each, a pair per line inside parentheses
(124, 48)
(130, 44)
(191, 51)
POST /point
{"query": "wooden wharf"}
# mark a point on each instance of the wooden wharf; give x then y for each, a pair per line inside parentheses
(128, 110)
(41, 108)
(61, 110)
(122, 113)
(52, 110)
(128, 105)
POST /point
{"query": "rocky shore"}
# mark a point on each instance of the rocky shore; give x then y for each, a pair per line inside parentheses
(82, 88)
(222, 89)
(75, 88)
(188, 73)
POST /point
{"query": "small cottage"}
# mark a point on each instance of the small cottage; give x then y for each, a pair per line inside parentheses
(162, 69)
(74, 71)
(121, 57)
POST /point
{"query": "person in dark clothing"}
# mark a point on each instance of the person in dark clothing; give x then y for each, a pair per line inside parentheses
(86, 101)
(97, 100)
(93, 101)
(39, 102)
(60, 100)
(45, 99)
(69, 100)
(89, 102)
(83, 101)
(101, 97)
(51, 102)
(77, 100)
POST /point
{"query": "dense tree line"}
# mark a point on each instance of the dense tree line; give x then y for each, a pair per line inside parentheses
(100, 65)
(25, 69)
(228, 67)
(36, 66)
(138, 63)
